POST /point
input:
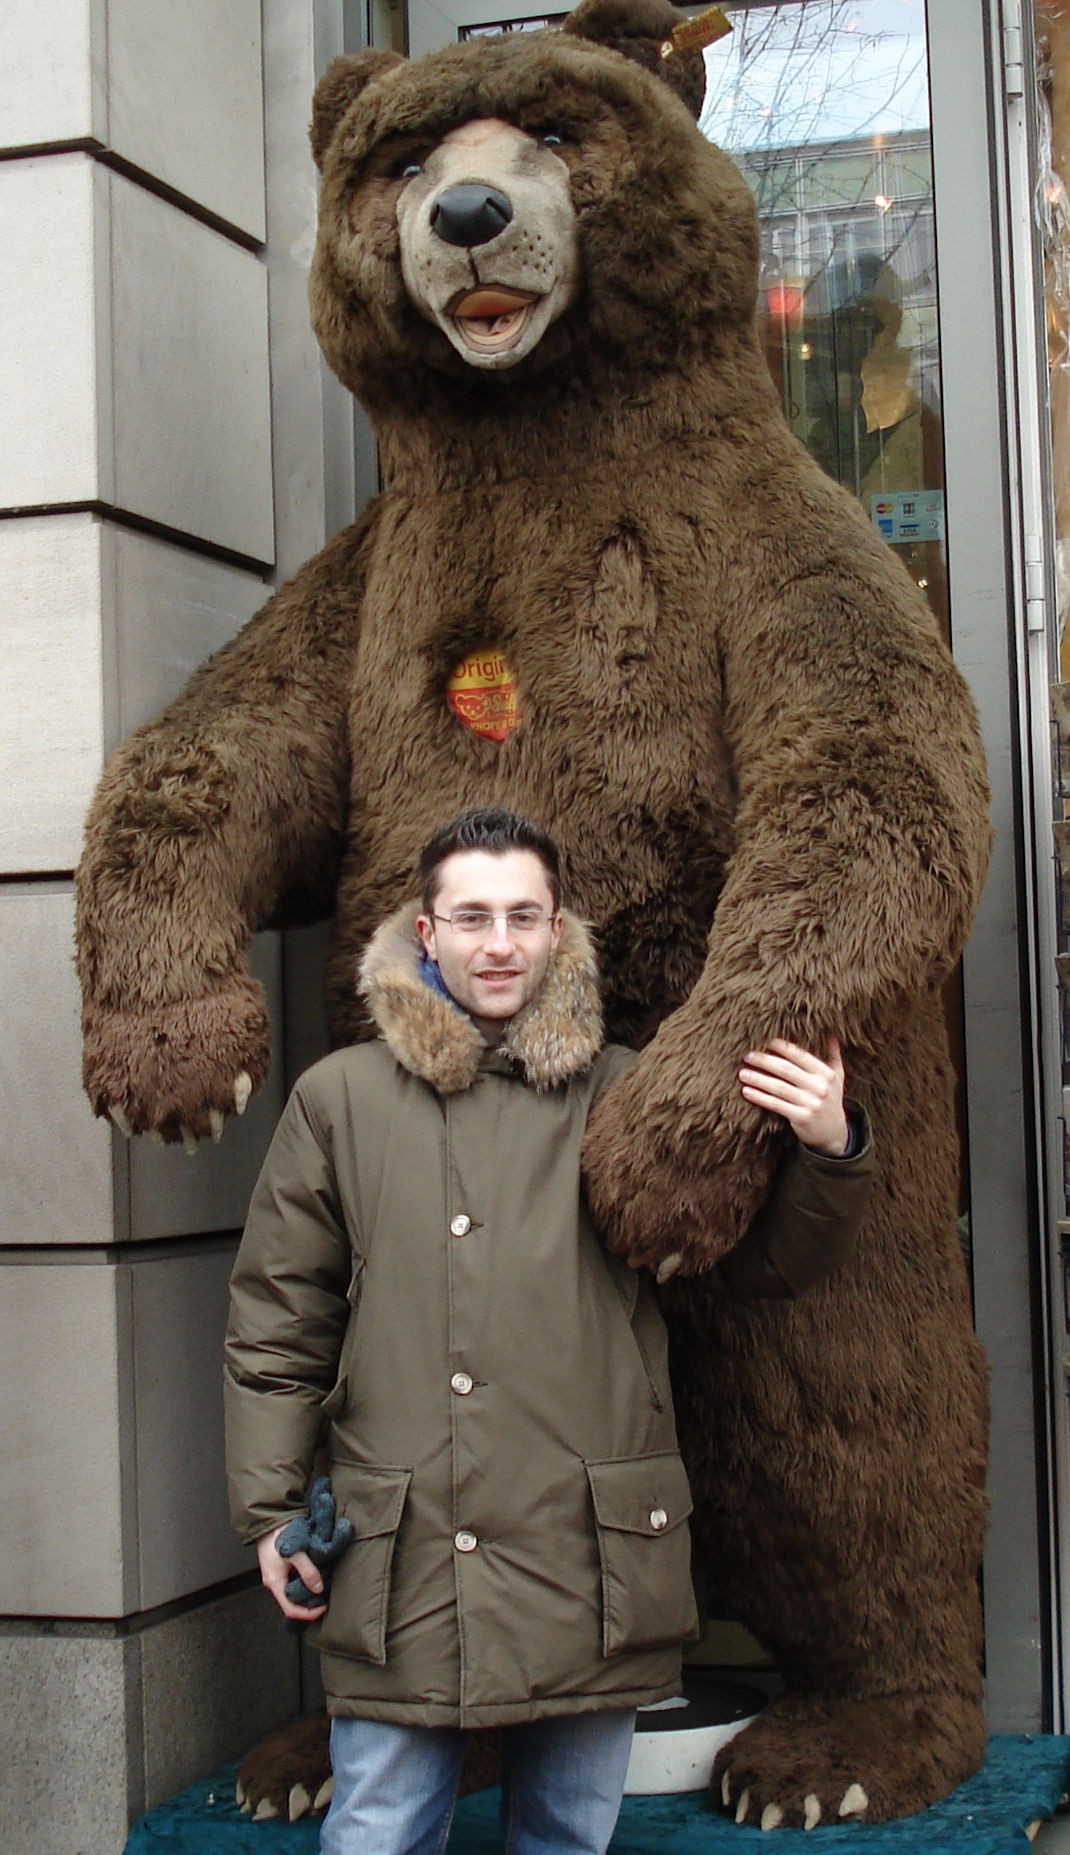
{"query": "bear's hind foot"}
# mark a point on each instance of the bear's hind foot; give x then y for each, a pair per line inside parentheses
(810, 1760)
(288, 1773)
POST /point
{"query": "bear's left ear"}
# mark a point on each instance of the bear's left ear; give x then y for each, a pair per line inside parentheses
(341, 85)
(644, 31)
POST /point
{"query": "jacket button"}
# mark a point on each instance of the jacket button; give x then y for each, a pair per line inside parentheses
(465, 1542)
(659, 1519)
(460, 1225)
(462, 1383)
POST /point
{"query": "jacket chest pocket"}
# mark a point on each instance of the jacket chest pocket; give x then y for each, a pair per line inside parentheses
(374, 1500)
(641, 1506)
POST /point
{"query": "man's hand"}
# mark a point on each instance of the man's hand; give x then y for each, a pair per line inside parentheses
(275, 1571)
(807, 1092)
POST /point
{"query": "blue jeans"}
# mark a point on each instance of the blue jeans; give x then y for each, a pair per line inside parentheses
(395, 1787)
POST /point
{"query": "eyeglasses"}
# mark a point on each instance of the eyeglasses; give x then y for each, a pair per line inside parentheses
(518, 921)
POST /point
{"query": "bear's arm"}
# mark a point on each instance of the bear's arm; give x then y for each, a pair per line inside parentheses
(224, 815)
(861, 843)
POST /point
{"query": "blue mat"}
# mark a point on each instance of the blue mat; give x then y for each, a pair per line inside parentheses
(1023, 1778)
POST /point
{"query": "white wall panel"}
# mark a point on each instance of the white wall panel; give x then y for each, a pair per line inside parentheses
(172, 609)
(49, 376)
(45, 56)
(60, 1482)
(185, 100)
(71, 581)
(56, 1178)
(192, 406)
(185, 1541)
(51, 741)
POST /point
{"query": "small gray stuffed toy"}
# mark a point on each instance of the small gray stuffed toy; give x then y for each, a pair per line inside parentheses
(323, 1536)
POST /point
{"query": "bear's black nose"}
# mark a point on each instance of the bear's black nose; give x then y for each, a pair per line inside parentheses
(470, 214)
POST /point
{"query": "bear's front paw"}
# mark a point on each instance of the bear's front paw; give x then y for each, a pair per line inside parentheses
(177, 1070)
(667, 1211)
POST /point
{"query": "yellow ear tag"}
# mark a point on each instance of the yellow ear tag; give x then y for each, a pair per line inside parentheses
(481, 692)
(692, 35)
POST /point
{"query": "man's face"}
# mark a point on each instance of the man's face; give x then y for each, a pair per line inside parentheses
(493, 972)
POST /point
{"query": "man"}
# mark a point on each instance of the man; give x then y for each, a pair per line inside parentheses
(420, 1273)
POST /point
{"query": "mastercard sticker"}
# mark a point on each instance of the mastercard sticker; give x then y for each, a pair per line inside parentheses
(482, 694)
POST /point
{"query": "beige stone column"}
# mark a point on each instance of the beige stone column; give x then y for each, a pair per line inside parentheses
(143, 454)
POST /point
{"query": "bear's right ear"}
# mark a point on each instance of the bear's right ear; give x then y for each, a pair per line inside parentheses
(648, 32)
(341, 85)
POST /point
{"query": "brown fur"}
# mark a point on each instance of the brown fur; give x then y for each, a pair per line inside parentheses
(764, 771)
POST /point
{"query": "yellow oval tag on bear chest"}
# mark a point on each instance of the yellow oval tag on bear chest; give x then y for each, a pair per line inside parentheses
(481, 692)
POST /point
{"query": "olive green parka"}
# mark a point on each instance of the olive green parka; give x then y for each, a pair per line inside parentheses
(419, 1277)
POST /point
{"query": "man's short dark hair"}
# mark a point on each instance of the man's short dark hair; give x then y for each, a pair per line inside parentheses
(490, 828)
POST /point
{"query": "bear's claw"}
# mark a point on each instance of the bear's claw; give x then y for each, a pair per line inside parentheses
(299, 1803)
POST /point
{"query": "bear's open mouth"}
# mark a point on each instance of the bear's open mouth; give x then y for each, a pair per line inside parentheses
(492, 318)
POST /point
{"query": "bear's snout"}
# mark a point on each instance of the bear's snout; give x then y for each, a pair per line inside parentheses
(470, 215)
(489, 241)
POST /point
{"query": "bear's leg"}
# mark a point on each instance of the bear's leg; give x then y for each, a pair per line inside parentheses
(837, 1460)
(876, 1629)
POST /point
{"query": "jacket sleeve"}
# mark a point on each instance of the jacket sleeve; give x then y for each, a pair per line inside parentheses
(288, 1314)
(809, 1223)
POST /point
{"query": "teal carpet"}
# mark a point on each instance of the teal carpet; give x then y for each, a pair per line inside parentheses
(1023, 1778)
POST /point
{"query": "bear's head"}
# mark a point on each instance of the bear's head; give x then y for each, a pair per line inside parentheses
(523, 206)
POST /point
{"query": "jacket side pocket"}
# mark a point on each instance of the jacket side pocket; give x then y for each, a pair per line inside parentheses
(641, 1506)
(374, 1500)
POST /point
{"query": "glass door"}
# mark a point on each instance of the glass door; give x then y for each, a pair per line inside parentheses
(825, 105)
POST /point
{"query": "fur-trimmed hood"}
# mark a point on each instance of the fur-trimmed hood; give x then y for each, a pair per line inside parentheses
(556, 1036)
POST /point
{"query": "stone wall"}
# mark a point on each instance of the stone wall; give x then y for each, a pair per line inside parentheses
(171, 450)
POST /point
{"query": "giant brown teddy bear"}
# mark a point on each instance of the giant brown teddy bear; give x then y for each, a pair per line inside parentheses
(734, 712)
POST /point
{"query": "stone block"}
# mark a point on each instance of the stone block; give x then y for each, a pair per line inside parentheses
(72, 1764)
(185, 101)
(56, 1183)
(214, 1679)
(179, 1314)
(170, 609)
(51, 743)
(61, 1471)
(50, 228)
(133, 357)
(190, 379)
(102, 1723)
(50, 80)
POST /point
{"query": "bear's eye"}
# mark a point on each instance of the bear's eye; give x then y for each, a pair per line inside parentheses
(550, 138)
(408, 165)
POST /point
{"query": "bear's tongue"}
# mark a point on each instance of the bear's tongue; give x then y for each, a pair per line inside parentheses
(492, 315)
